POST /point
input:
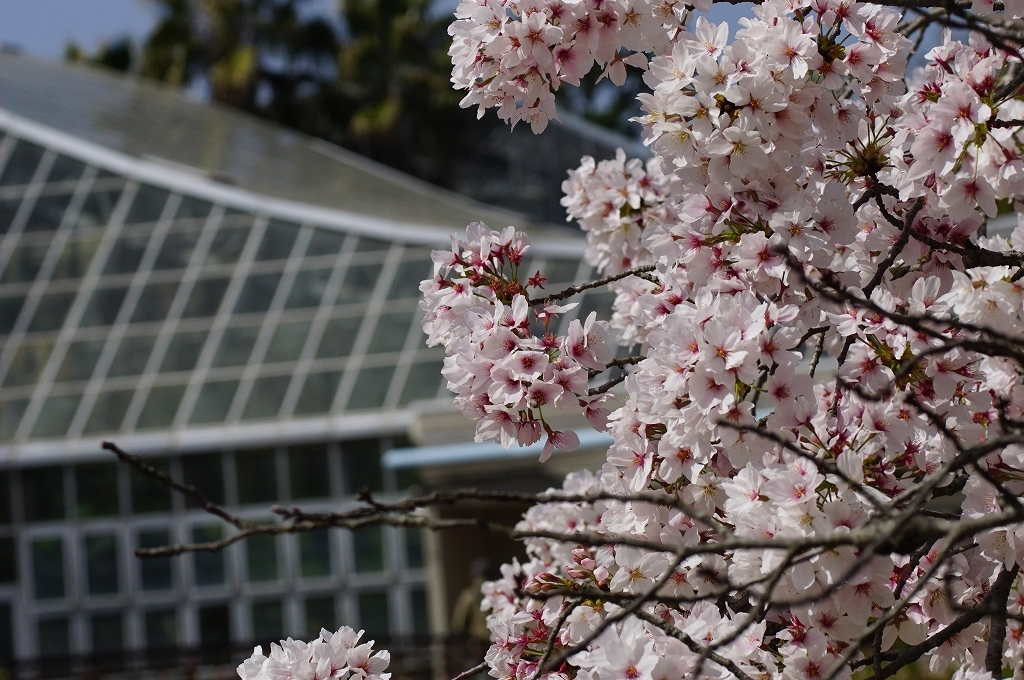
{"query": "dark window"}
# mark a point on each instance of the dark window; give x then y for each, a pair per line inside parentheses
(11, 412)
(389, 336)
(373, 614)
(97, 489)
(267, 622)
(315, 553)
(369, 245)
(161, 629)
(25, 263)
(368, 548)
(97, 209)
(177, 249)
(325, 242)
(420, 613)
(308, 289)
(6, 635)
(214, 627)
(161, 405)
(8, 207)
(42, 491)
(192, 208)
(5, 497)
(10, 307)
(308, 471)
(156, 572)
(52, 309)
(155, 302)
(183, 351)
(147, 206)
(104, 306)
(48, 213)
(414, 548)
(209, 566)
(75, 258)
(277, 241)
(235, 346)
(214, 401)
(205, 298)
(371, 388)
(80, 360)
(65, 169)
(101, 564)
(108, 411)
(257, 293)
(205, 472)
(126, 254)
(107, 633)
(56, 415)
(256, 472)
(266, 397)
(132, 355)
(358, 284)
(28, 362)
(21, 166)
(48, 567)
(148, 494)
(319, 615)
(408, 277)
(8, 560)
(227, 245)
(422, 382)
(361, 459)
(318, 392)
(53, 638)
(261, 557)
(287, 342)
(339, 336)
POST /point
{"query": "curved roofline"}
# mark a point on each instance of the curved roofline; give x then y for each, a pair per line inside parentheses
(182, 179)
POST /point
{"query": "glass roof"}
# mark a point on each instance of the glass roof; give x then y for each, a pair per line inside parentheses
(130, 308)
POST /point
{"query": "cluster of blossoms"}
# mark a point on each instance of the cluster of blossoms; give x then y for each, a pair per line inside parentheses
(807, 198)
(332, 656)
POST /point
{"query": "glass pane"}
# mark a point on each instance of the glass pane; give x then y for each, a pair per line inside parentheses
(108, 411)
(309, 474)
(155, 571)
(132, 355)
(161, 405)
(368, 245)
(177, 249)
(8, 207)
(228, 244)
(192, 208)
(5, 497)
(54, 642)
(315, 553)
(256, 472)
(52, 309)
(235, 346)
(8, 560)
(22, 164)
(287, 342)
(47, 213)
(80, 360)
(155, 302)
(183, 352)
(318, 392)
(392, 329)
(319, 615)
(96, 489)
(205, 298)
(214, 401)
(11, 412)
(266, 397)
(148, 494)
(28, 362)
(261, 558)
(423, 381)
(103, 308)
(371, 388)
(373, 614)
(161, 629)
(56, 415)
(339, 336)
(126, 254)
(101, 564)
(10, 307)
(42, 494)
(368, 549)
(325, 242)
(308, 289)
(107, 633)
(361, 461)
(267, 622)
(25, 262)
(408, 277)
(209, 566)
(65, 169)
(97, 209)
(413, 548)
(6, 635)
(48, 567)
(205, 472)
(358, 284)
(420, 613)
(215, 627)
(147, 206)
(277, 241)
(75, 258)
(257, 293)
